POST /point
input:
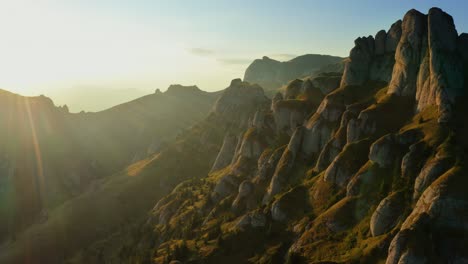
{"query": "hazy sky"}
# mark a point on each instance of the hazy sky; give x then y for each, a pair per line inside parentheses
(81, 52)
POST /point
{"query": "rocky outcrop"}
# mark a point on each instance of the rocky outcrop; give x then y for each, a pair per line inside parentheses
(413, 161)
(252, 145)
(433, 169)
(244, 196)
(288, 114)
(386, 214)
(267, 168)
(240, 101)
(388, 150)
(428, 65)
(226, 186)
(336, 144)
(285, 164)
(347, 163)
(372, 59)
(441, 208)
(226, 153)
(326, 82)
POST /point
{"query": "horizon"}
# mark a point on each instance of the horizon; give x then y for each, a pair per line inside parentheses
(114, 52)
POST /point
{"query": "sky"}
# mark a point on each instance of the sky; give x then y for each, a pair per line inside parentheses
(93, 54)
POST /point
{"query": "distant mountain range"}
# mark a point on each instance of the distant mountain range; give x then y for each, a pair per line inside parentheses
(272, 74)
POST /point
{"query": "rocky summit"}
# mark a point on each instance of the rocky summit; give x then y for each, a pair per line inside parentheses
(364, 165)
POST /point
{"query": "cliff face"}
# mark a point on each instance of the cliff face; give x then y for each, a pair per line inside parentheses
(271, 74)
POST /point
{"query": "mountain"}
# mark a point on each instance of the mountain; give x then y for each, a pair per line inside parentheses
(365, 167)
(49, 155)
(374, 172)
(272, 74)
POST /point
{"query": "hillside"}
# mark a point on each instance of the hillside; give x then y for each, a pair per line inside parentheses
(272, 74)
(49, 155)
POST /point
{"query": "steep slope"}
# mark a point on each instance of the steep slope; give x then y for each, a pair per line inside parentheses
(94, 221)
(372, 171)
(49, 155)
(271, 74)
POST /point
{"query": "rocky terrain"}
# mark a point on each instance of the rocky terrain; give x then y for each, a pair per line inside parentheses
(367, 166)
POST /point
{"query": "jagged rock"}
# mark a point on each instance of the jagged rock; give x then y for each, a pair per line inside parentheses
(445, 67)
(393, 37)
(226, 153)
(380, 39)
(386, 215)
(463, 46)
(347, 163)
(226, 186)
(316, 136)
(430, 172)
(336, 144)
(288, 114)
(254, 142)
(428, 65)
(408, 54)
(266, 170)
(285, 164)
(240, 101)
(357, 67)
